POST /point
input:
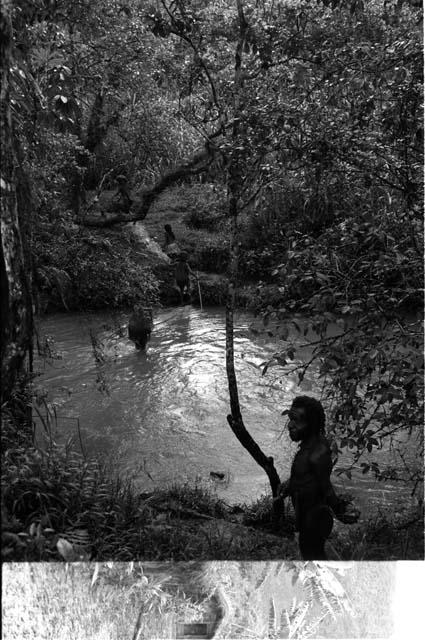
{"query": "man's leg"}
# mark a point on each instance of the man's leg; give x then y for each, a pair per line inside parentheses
(143, 338)
(181, 290)
(314, 531)
(312, 547)
(187, 289)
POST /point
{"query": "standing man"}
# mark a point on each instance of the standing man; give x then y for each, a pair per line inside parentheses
(182, 275)
(309, 486)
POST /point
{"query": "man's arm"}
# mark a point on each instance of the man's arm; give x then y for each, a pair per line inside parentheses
(283, 490)
(322, 464)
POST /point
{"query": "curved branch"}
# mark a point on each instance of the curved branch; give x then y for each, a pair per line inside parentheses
(197, 164)
(247, 441)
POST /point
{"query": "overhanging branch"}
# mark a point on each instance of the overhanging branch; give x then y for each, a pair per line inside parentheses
(196, 165)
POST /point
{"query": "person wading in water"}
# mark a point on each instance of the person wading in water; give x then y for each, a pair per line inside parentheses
(182, 273)
(309, 486)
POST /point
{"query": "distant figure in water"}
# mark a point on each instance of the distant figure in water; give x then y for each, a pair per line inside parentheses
(170, 238)
(140, 326)
(309, 486)
(171, 247)
(182, 275)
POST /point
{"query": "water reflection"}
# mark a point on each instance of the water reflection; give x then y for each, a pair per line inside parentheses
(161, 415)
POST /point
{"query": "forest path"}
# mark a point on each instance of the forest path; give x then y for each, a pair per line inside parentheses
(148, 243)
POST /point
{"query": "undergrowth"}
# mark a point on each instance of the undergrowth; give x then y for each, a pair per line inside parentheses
(88, 269)
(58, 504)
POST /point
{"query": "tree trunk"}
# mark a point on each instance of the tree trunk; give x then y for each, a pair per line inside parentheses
(233, 189)
(97, 130)
(87, 170)
(16, 305)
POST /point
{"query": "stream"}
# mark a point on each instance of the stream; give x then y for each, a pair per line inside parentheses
(160, 416)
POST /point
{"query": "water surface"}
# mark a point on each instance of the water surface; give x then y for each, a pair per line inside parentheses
(161, 415)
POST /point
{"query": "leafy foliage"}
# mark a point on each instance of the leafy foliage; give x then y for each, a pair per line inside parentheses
(87, 270)
(205, 207)
(331, 100)
(320, 147)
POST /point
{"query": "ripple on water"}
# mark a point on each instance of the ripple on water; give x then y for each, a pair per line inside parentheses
(164, 410)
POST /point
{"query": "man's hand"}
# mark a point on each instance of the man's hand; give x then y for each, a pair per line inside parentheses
(283, 490)
(349, 516)
(347, 513)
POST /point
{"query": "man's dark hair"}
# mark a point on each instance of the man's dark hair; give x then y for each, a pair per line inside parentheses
(314, 413)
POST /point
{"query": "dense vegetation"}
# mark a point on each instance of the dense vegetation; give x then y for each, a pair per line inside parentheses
(290, 136)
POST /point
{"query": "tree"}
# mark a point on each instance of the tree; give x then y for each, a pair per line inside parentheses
(16, 308)
(228, 111)
(314, 96)
(234, 191)
(360, 266)
(298, 100)
(226, 134)
(306, 96)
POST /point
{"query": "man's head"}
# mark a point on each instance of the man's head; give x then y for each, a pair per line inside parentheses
(167, 227)
(306, 418)
(142, 310)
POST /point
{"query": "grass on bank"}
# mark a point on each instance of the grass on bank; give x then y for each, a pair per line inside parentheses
(56, 494)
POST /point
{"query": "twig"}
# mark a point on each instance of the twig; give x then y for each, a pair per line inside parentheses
(199, 290)
(45, 425)
(137, 629)
(80, 439)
